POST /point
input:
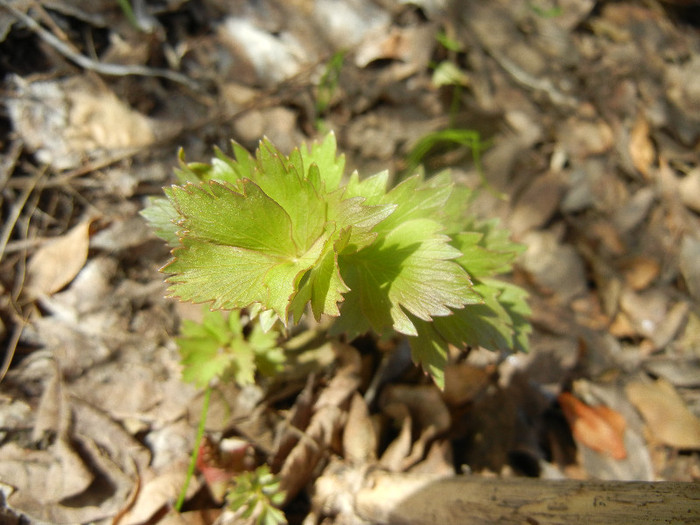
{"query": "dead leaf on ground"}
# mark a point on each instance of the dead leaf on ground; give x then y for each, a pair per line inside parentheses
(399, 449)
(582, 138)
(641, 147)
(157, 492)
(66, 120)
(359, 438)
(690, 269)
(597, 427)
(87, 474)
(56, 264)
(537, 204)
(329, 415)
(690, 190)
(641, 271)
(464, 381)
(666, 414)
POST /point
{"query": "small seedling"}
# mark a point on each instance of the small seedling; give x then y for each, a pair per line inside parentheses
(217, 348)
(281, 236)
(257, 494)
(328, 86)
(276, 234)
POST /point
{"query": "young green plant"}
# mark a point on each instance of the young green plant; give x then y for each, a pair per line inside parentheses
(281, 235)
(223, 347)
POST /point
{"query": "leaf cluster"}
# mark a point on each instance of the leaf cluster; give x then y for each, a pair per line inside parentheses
(279, 234)
(218, 347)
(257, 494)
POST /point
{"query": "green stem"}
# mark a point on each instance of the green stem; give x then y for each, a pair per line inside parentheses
(129, 13)
(195, 450)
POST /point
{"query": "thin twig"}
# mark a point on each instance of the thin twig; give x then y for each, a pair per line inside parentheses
(12, 348)
(527, 80)
(195, 450)
(7, 165)
(92, 65)
(16, 210)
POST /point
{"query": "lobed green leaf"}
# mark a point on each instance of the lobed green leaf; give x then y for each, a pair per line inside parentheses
(276, 233)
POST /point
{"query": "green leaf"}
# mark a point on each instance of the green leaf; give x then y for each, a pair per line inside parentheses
(500, 323)
(323, 286)
(237, 249)
(497, 324)
(217, 213)
(414, 198)
(429, 350)
(254, 494)
(293, 192)
(487, 250)
(410, 270)
(162, 217)
(275, 234)
(372, 189)
(203, 349)
(448, 74)
(323, 155)
(218, 348)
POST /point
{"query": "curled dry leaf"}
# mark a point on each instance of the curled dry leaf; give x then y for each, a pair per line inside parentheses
(666, 414)
(328, 416)
(56, 264)
(359, 437)
(399, 449)
(598, 427)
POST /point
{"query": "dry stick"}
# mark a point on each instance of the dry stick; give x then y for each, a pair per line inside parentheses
(92, 65)
(10, 224)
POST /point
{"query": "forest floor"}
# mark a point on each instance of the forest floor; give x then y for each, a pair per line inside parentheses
(586, 119)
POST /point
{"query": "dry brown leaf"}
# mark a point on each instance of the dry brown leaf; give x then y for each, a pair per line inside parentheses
(438, 460)
(193, 517)
(690, 189)
(329, 413)
(425, 404)
(665, 413)
(67, 120)
(156, 493)
(690, 269)
(463, 381)
(641, 271)
(583, 138)
(97, 448)
(399, 449)
(598, 427)
(641, 147)
(359, 438)
(537, 204)
(56, 264)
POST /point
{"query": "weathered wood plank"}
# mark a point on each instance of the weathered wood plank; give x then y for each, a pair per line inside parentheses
(472, 500)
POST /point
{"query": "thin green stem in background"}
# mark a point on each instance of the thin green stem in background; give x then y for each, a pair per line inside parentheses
(129, 13)
(195, 449)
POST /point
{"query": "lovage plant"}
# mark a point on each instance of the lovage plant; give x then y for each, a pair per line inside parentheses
(275, 234)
